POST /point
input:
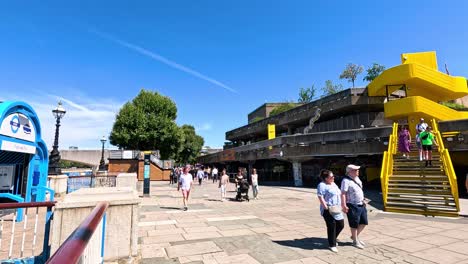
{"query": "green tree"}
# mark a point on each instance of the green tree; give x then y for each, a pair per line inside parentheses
(351, 72)
(331, 88)
(148, 123)
(191, 145)
(282, 108)
(306, 95)
(373, 71)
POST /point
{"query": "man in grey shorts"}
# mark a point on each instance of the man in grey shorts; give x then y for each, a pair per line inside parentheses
(352, 201)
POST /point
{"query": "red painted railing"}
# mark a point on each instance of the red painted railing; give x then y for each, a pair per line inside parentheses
(71, 250)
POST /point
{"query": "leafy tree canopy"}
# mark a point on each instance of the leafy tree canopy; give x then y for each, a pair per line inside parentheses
(191, 145)
(374, 71)
(282, 108)
(351, 72)
(257, 118)
(306, 95)
(331, 88)
(148, 123)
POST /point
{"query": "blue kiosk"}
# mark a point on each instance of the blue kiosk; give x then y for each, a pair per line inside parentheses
(23, 155)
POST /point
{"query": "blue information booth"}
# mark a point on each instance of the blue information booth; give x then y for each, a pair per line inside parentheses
(23, 155)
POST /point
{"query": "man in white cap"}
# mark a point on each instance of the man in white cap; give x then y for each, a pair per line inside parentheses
(420, 127)
(352, 201)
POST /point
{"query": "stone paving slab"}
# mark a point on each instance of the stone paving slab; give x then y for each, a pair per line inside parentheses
(285, 226)
(192, 249)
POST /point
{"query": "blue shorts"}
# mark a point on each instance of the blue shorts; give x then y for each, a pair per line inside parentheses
(357, 215)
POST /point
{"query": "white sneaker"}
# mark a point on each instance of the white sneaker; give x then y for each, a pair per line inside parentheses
(360, 241)
(358, 244)
(333, 249)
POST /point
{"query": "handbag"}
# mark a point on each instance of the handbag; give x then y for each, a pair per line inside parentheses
(334, 209)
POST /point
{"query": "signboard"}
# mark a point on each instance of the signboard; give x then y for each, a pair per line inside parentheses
(146, 175)
(17, 125)
(127, 154)
(17, 147)
(7, 174)
(271, 131)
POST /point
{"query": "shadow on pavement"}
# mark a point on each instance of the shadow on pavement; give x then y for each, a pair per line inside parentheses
(170, 208)
(310, 243)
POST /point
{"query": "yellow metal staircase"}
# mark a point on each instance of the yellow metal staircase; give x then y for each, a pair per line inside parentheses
(408, 186)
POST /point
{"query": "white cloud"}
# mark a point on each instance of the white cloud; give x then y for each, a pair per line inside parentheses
(204, 127)
(83, 125)
(162, 59)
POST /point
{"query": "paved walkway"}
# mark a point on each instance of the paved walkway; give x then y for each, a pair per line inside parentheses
(284, 226)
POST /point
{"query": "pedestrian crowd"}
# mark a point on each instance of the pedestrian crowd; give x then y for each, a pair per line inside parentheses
(425, 140)
(184, 177)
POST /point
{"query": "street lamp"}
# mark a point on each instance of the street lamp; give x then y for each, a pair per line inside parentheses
(54, 158)
(102, 163)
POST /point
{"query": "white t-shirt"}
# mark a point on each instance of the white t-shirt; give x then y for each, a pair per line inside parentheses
(421, 127)
(215, 171)
(254, 179)
(200, 174)
(354, 193)
(185, 181)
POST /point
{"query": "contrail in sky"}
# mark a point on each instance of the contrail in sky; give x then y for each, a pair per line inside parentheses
(162, 59)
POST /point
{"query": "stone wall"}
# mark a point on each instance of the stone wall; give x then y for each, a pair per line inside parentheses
(121, 226)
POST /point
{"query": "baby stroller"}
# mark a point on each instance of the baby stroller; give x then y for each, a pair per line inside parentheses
(242, 190)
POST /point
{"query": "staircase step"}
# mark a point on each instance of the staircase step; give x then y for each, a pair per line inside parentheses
(435, 200)
(419, 191)
(416, 172)
(422, 206)
(421, 211)
(418, 177)
(419, 186)
(421, 196)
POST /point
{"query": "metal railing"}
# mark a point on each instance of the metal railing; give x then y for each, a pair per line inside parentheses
(90, 181)
(447, 163)
(18, 252)
(387, 163)
(74, 246)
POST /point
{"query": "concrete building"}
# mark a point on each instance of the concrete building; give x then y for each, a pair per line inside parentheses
(331, 132)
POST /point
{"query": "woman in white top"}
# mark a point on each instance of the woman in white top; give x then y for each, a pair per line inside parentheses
(185, 183)
(223, 182)
(255, 183)
(330, 207)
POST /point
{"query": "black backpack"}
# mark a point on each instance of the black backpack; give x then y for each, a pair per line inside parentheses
(426, 135)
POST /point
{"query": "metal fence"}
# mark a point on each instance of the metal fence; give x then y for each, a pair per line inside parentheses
(90, 181)
(18, 240)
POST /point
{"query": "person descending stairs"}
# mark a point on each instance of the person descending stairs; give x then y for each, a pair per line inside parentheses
(416, 188)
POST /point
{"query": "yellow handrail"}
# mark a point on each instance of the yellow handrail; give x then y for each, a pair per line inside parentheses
(387, 163)
(447, 164)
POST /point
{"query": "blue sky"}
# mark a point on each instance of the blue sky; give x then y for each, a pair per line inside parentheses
(218, 60)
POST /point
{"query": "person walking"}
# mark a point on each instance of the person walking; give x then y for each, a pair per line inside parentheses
(404, 141)
(200, 175)
(254, 178)
(329, 194)
(427, 140)
(353, 204)
(223, 182)
(420, 127)
(215, 174)
(186, 184)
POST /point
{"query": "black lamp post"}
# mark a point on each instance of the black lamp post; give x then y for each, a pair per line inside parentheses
(102, 163)
(54, 157)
